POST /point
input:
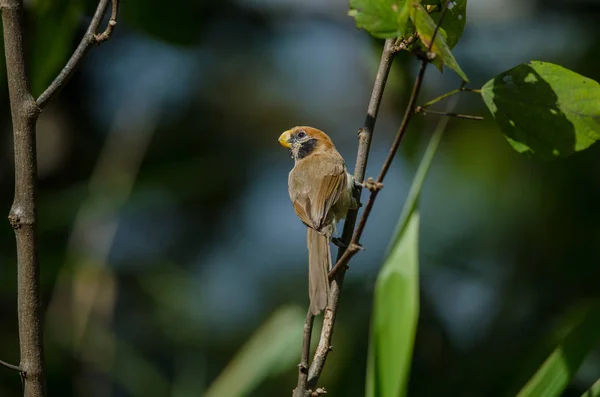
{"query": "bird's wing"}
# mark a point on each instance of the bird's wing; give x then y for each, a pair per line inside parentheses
(319, 186)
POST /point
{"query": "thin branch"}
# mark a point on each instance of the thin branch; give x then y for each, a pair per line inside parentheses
(364, 144)
(300, 390)
(344, 256)
(447, 95)
(11, 366)
(89, 39)
(354, 245)
(457, 115)
(112, 22)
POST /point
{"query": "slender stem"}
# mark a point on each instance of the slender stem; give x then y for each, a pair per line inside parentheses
(424, 165)
(364, 144)
(448, 94)
(457, 115)
(410, 111)
(89, 39)
(443, 96)
(338, 272)
(11, 366)
(300, 390)
(23, 213)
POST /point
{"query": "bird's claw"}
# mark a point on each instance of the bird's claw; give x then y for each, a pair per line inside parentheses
(373, 185)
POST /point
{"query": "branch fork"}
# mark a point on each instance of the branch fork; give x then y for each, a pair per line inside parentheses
(350, 234)
(25, 111)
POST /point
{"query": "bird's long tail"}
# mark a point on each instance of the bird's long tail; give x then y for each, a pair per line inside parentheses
(319, 263)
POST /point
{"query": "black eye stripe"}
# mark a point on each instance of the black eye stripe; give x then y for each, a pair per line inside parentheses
(306, 148)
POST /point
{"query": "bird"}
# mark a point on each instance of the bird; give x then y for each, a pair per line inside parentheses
(322, 193)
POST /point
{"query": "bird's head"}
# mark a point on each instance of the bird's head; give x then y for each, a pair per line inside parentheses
(304, 141)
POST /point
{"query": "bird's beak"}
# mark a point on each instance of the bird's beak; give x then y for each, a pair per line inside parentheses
(285, 139)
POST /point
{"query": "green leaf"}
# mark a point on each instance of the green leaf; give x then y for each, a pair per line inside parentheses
(396, 306)
(560, 367)
(273, 349)
(454, 21)
(395, 316)
(593, 391)
(425, 26)
(544, 109)
(55, 27)
(382, 18)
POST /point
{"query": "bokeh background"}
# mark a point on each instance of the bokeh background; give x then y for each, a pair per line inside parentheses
(168, 239)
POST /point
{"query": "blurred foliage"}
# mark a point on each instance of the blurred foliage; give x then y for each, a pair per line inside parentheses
(53, 31)
(582, 329)
(206, 245)
(593, 391)
(271, 350)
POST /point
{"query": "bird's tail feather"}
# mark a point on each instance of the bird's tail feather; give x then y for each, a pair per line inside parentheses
(319, 263)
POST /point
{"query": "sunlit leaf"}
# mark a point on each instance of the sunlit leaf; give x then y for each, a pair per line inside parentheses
(454, 21)
(560, 367)
(425, 27)
(382, 18)
(544, 109)
(273, 349)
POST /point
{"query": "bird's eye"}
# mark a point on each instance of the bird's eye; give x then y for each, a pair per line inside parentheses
(301, 134)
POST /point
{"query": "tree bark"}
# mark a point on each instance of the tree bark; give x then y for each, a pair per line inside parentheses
(23, 215)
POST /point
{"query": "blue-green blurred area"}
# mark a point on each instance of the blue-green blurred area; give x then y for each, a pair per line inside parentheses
(168, 239)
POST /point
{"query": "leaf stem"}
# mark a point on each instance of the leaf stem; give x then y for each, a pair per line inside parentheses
(447, 95)
(419, 109)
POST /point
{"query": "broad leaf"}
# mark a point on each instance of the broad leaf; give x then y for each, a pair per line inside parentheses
(560, 367)
(544, 109)
(395, 316)
(425, 27)
(382, 18)
(454, 20)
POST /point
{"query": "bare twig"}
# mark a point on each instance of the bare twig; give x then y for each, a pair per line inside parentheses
(300, 389)
(344, 255)
(419, 109)
(364, 144)
(23, 213)
(447, 95)
(11, 366)
(354, 245)
(89, 39)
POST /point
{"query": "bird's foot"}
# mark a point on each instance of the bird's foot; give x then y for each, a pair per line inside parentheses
(373, 185)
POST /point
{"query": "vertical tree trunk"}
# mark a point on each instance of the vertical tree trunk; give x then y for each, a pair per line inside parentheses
(22, 217)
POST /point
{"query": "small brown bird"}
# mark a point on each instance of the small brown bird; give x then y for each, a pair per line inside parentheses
(321, 191)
